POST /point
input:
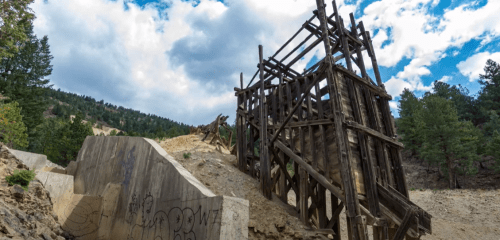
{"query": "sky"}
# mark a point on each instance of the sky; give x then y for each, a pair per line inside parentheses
(181, 59)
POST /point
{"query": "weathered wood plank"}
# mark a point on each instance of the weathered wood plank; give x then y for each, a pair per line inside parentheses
(241, 147)
(367, 167)
(322, 219)
(251, 135)
(265, 167)
(290, 114)
(373, 133)
(320, 178)
(304, 214)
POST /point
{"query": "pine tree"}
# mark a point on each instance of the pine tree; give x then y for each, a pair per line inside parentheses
(447, 142)
(489, 95)
(466, 105)
(493, 149)
(408, 124)
(12, 129)
(15, 17)
(23, 78)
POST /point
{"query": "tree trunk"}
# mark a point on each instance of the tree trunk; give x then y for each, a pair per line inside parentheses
(451, 173)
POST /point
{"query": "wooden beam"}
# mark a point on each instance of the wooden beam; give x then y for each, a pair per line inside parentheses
(366, 163)
(360, 62)
(295, 35)
(358, 127)
(290, 114)
(282, 165)
(335, 215)
(375, 89)
(304, 215)
(320, 178)
(265, 166)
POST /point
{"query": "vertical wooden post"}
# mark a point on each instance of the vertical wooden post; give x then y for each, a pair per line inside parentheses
(239, 127)
(251, 117)
(243, 128)
(336, 227)
(344, 152)
(322, 219)
(265, 166)
(366, 162)
(360, 63)
(304, 195)
(399, 174)
(368, 42)
(282, 181)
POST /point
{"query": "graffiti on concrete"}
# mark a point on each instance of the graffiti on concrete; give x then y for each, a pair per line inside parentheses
(174, 223)
(128, 166)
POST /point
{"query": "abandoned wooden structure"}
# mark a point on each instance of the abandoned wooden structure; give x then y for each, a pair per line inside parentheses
(337, 129)
(212, 132)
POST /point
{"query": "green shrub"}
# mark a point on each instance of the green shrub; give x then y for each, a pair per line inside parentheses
(22, 178)
(187, 155)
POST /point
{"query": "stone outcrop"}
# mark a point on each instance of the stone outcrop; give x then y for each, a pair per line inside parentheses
(25, 214)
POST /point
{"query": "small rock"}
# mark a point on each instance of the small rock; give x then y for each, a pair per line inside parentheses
(17, 191)
(54, 216)
(46, 236)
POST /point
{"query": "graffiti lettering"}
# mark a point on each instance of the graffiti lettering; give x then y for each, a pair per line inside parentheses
(175, 223)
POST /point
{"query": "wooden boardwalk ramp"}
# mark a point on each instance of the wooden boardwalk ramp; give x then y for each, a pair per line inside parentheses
(336, 129)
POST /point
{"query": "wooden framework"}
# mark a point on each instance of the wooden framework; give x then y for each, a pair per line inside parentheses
(336, 128)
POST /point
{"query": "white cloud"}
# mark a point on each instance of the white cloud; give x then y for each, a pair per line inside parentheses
(423, 37)
(444, 79)
(183, 63)
(474, 65)
(393, 105)
(395, 86)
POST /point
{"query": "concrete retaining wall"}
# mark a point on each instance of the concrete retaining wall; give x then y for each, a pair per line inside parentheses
(152, 196)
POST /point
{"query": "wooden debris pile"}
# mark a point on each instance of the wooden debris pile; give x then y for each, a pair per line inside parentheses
(212, 133)
(334, 128)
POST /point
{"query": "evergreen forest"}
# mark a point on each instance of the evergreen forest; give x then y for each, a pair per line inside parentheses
(449, 128)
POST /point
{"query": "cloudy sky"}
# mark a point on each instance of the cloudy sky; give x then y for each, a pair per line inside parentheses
(182, 59)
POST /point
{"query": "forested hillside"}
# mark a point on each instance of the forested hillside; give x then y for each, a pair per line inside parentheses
(133, 122)
(452, 130)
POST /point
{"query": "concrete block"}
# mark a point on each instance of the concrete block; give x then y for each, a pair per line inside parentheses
(158, 198)
(34, 160)
(71, 168)
(110, 199)
(235, 217)
(60, 188)
(80, 216)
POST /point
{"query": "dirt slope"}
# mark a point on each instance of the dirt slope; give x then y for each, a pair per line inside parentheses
(268, 219)
(457, 214)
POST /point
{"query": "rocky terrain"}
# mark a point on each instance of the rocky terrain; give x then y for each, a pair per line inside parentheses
(25, 215)
(457, 214)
